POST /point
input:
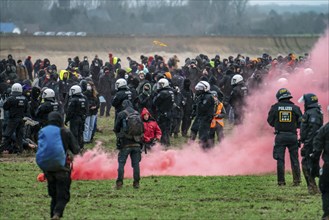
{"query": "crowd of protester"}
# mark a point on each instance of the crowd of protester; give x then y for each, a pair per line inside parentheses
(87, 89)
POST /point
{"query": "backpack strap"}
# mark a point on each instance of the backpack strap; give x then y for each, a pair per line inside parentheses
(125, 111)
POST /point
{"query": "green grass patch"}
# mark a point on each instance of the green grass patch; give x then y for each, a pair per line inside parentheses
(165, 197)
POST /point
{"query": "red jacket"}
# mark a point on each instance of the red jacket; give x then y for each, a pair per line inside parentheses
(151, 128)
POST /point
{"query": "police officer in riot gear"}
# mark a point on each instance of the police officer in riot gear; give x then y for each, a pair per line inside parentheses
(237, 97)
(17, 106)
(321, 146)
(77, 110)
(312, 120)
(285, 117)
(164, 102)
(205, 109)
(123, 93)
(49, 105)
(187, 108)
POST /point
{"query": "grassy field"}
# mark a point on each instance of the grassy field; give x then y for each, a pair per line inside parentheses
(165, 197)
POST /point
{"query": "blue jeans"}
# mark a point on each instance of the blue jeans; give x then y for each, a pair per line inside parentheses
(89, 127)
(135, 156)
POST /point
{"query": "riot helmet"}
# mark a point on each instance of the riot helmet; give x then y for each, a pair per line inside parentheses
(283, 93)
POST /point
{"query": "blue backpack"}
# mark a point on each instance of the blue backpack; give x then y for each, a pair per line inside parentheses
(51, 154)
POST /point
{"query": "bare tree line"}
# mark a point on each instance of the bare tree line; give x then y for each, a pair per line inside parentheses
(168, 17)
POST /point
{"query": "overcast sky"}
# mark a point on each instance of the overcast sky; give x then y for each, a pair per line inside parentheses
(289, 2)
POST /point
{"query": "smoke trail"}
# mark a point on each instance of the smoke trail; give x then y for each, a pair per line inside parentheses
(247, 150)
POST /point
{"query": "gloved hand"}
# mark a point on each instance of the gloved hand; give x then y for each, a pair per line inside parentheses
(154, 141)
(315, 170)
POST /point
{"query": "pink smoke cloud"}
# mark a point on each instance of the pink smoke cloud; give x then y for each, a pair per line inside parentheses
(247, 150)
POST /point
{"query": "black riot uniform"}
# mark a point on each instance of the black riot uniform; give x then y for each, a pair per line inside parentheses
(76, 113)
(187, 108)
(237, 101)
(17, 107)
(321, 146)
(205, 106)
(285, 117)
(44, 109)
(122, 94)
(164, 102)
(312, 120)
(177, 111)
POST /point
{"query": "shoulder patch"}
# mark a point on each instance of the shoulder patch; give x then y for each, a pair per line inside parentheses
(312, 119)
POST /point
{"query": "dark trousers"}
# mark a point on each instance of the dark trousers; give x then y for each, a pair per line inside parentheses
(59, 184)
(186, 123)
(201, 125)
(135, 156)
(204, 129)
(14, 125)
(77, 126)
(195, 128)
(164, 123)
(30, 76)
(238, 115)
(217, 130)
(106, 105)
(175, 125)
(289, 140)
(306, 168)
(324, 187)
(307, 165)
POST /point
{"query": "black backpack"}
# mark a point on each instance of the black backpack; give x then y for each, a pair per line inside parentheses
(135, 126)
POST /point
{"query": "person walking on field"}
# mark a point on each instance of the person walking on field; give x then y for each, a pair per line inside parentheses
(285, 117)
(129, 130)
(205, 109)
(55, 143)
(76, 113)
(312, 120)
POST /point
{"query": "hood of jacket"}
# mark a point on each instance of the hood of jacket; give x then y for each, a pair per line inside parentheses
(126, 104)
(55, 118)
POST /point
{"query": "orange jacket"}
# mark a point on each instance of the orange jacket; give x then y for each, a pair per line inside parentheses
(216, 119)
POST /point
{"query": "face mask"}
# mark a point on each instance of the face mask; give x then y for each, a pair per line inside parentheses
(198, 92)
(89, 87)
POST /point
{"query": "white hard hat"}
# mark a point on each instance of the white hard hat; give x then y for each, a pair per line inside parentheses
(236, 79)
(48, 93)
(120, 83)
(74, 90)
(17, 88)
(202, 86)
(163, 83)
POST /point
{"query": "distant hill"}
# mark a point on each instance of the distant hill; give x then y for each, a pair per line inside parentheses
(323, 8)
